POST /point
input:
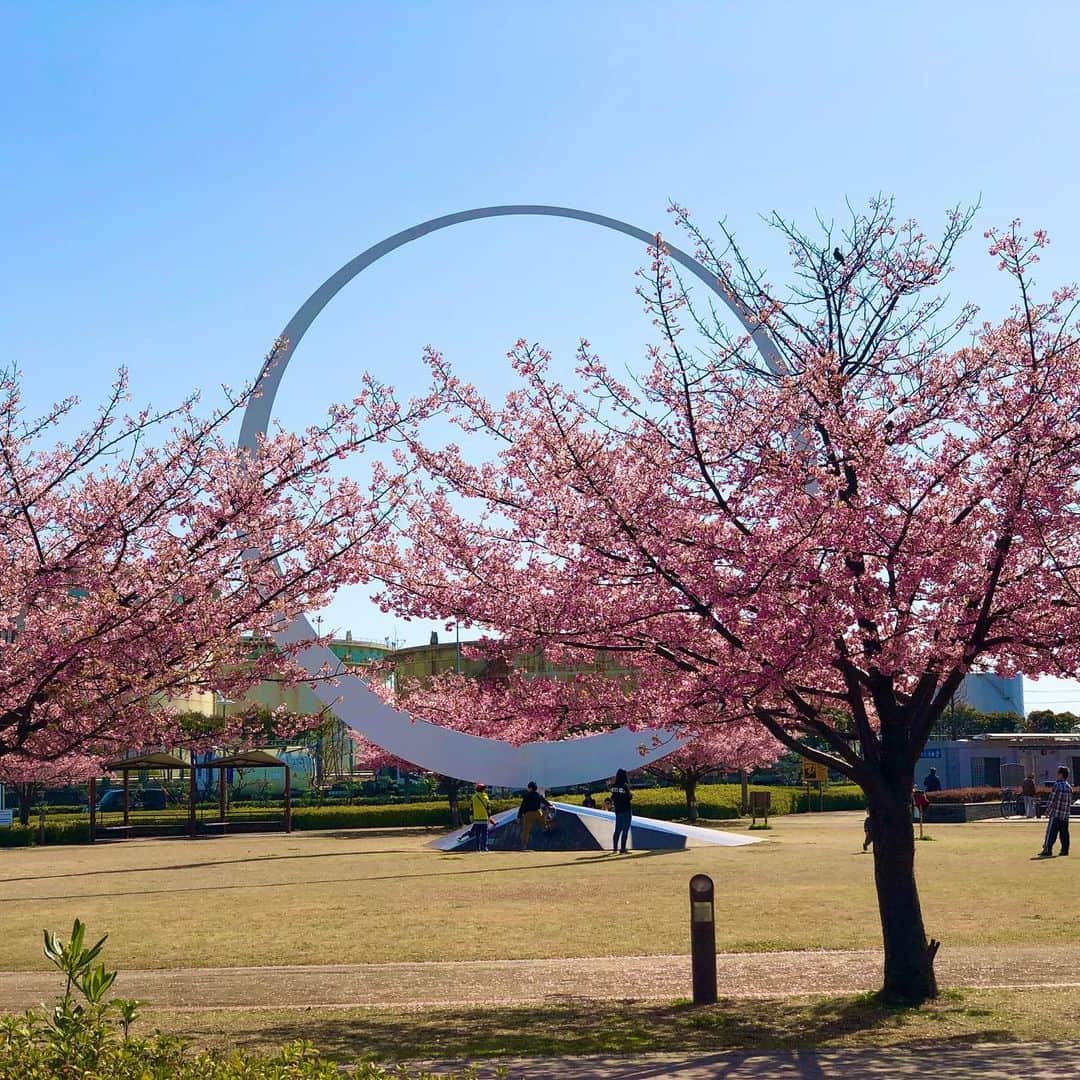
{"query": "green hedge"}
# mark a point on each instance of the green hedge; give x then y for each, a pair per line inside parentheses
(719, 802)
(716, 802)
(56, 832)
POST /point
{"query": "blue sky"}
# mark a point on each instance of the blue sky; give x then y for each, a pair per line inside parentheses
(177, 178)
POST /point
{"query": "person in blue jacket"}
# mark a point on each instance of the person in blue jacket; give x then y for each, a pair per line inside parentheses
(1057, 814)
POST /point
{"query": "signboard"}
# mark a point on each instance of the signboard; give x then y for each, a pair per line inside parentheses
(813, 773)
(934, 753)
(6, 818)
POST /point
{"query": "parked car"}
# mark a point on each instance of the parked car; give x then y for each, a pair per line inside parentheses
(139, 799)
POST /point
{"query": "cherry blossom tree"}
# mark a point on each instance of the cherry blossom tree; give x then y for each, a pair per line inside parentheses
(822, 546)
(146, 559)
(28, 778)
(720, 748)
(521, 705)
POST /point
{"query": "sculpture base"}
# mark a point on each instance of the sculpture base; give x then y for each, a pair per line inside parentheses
(577, 828)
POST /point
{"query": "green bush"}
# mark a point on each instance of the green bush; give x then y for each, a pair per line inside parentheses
(63, 831)
(717, 802)
(397, 815)
(88, 1035)
(981, 794)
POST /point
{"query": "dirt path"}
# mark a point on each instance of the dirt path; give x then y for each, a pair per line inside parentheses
(745, 975)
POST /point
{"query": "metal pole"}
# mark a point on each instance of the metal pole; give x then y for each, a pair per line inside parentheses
(93, 808)
(127, 797)
(223, 811)
(702, 939)
(191, 798)
(288, 800)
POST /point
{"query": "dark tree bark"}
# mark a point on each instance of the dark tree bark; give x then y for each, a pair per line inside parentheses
(27, 793)
(452, 787)
(909, 956)
(689, 786)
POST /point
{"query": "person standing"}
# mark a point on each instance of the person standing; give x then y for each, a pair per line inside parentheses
(481, 817)
(1057, 814)
(529, 812)
(621, 797)
(919, 804)
(932, 781)
(1027, 790)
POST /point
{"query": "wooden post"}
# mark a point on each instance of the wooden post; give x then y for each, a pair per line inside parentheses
(702, 940)
(93, 808)
(191, 798)
(223, 809)
(745, 778)
(127, 797)
(288, 800)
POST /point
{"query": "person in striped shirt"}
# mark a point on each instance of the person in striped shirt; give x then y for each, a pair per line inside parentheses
(1057, 814)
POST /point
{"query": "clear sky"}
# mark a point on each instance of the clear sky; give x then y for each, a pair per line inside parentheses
(176, 179)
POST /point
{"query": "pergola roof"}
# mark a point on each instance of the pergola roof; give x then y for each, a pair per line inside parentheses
(147, 761)
(245, 759)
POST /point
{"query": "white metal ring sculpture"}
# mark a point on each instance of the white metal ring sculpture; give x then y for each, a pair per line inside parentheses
(452, 753)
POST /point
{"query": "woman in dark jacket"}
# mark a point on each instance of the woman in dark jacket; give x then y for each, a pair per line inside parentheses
(621, 797)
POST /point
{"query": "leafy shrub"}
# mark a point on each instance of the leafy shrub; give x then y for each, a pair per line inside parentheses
(67, 830)
(965, 795)
(86, 1035)
(981, 794)
(718, 802)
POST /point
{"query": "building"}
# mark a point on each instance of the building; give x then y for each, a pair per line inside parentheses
(978, 761)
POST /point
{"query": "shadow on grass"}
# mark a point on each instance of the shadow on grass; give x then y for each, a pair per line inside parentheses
(480, 867)
(211, 862)
(616, 1028)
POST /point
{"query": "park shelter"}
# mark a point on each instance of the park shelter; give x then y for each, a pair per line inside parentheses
(161, 761)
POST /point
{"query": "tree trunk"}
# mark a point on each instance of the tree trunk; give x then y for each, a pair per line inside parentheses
(745, 780)
(452, 788)
(909, 957)
(690, 787)
(26, 793)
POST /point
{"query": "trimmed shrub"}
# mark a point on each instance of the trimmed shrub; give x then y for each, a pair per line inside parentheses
(716, 802)
(64, 830)
(982, 794)
(719, 802)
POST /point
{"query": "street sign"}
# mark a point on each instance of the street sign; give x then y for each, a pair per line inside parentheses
(6, 818)
(813, 773)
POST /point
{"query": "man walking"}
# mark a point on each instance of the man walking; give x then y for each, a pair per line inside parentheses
(1057, 814)
(529, 812)
(932, 781)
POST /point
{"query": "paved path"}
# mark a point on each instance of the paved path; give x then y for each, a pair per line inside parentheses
(1036, 1061)
(664, 978)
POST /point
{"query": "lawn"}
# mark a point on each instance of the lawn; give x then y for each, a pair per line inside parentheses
(377, 896)
(958, 1016)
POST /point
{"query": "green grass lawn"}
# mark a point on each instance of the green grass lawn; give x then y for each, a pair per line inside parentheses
(352, 896)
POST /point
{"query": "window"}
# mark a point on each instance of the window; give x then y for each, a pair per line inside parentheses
(986, 772)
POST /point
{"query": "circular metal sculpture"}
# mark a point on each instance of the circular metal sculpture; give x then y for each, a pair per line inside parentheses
(452, 753)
